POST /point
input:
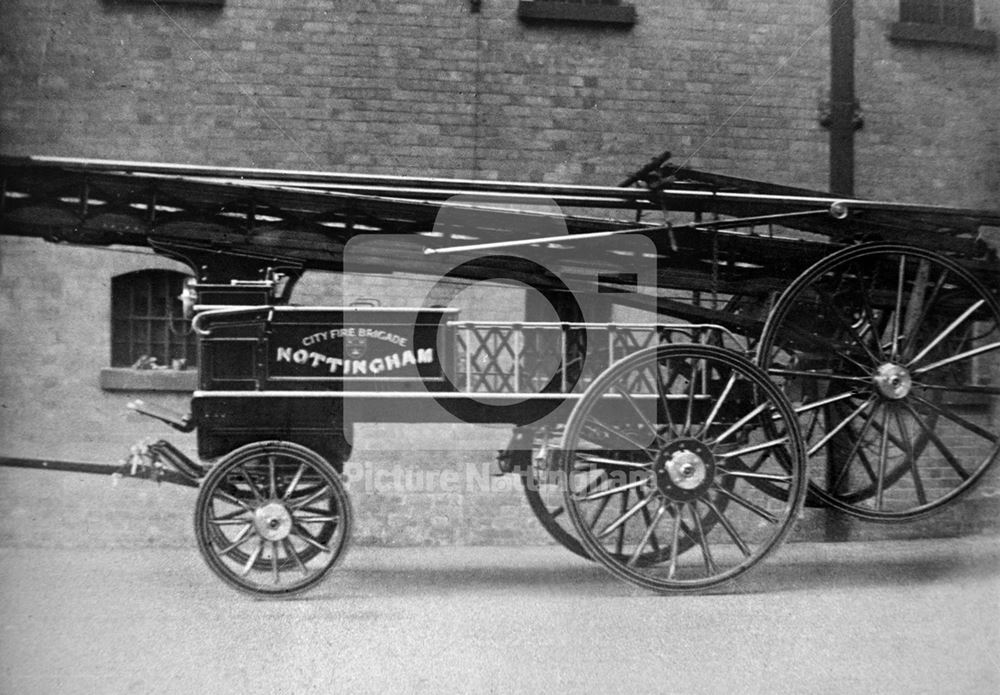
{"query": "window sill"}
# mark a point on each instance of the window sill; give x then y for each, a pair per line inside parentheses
(912, 32)
(558, 11)
(125, 379)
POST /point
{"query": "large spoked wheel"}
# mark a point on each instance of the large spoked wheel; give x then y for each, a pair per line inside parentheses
(272, 518)
(690, 431)
(882, 348)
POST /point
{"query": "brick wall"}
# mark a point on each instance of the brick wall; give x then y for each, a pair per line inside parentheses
(430, 87)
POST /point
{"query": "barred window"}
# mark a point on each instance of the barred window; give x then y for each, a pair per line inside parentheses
(952, 13)
(148, 328)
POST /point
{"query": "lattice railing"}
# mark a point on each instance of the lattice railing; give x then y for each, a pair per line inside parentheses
(525, 357)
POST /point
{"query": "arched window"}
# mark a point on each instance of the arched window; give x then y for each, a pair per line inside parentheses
(148, 328)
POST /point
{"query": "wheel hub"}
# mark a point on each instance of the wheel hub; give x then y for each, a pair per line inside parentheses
(272, 521)
(684, 469)
(893, 381)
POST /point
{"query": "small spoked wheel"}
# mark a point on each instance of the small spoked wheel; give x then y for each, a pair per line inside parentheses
(886, 351)
(272, 518)
(691, 432)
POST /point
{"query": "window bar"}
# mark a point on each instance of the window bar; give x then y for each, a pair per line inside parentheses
(468, 359)
(167, 347)
(518, 351)
(148, 307)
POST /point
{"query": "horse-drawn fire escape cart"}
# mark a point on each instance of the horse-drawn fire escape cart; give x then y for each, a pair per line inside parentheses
(784, 347)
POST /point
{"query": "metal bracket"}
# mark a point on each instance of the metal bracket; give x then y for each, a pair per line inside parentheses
(854, 112)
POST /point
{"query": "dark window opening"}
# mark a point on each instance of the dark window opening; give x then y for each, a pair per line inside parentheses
(148, 328)
(944, 22)
(951, 13)
(611, 13)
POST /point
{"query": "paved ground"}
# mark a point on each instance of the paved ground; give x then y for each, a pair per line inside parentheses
(901, 617)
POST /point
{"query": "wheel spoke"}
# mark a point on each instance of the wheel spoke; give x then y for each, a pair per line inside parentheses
(843, 423)
(598, 480)
(232, 500)
(957, 358)
(252, 558)
(675, 538)
(251, 484)
(756, 476)
(661, 392)
(748, 505)
(978, 390)
(620, 540)
(228, 522)
(300, 532)
(883, 458)
(728, 526)
(322, 491)
(914, 330)
(897, 323)
(706, 551)
(735, 427)
(316, 519)
(602, 505)
(625, 516)
(718, 404)
(610, 462)
(830, 400)
(753, 448)
(272, 480)
(946, 332)
(810, 431)
(865, 463)
(869, 314)
(938, 444)
(230, 518)
(814, 374)
(295, 482)
(957, 419)
(649, 535)
(855, 451)
(314, 510)
(611, 491)
(904, 434)
(646, 517)
(692, 385)
(638, 411)
(242, 537)
(848, 328)
(274, 562)
(290, 552)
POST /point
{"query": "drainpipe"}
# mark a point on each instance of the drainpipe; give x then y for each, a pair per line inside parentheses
(843, 116)
(842, 119)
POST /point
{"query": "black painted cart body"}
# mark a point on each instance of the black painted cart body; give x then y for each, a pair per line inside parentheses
(798, 349)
